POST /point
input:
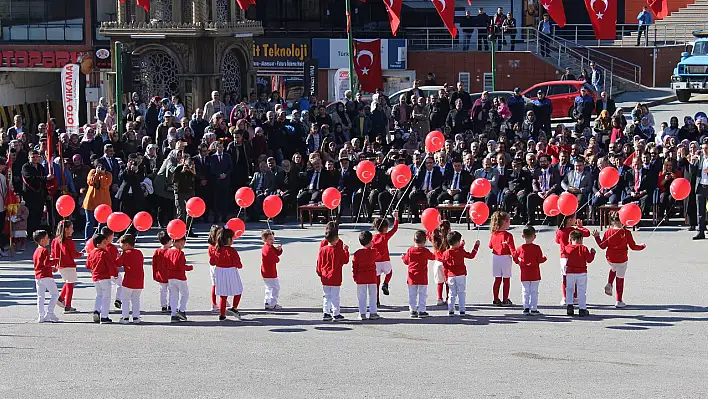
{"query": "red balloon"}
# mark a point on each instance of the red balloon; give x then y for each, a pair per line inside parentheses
(196, 207)
(431, 219)
(88, 248)
(272, 205)
(479, 212)
(567, 204)
(434, 141)
(118, 221)
(102, 212)
(401, 175)
(65, 205)
(331, 198)
(480, 187)
(680, 188)
(237, 226)
(630, 214)
(176, 229)
(366, 171)
(245, 197)
(550, 205)
(609, 176)
(142, 221)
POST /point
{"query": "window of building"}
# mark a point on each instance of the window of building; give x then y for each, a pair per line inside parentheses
(41, 21)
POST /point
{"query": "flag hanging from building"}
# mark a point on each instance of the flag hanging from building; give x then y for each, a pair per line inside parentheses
(243, 4)
(660, 8)
(447, 14)
(367, 63)
(393, 8)
(555, 10)
(603, 16)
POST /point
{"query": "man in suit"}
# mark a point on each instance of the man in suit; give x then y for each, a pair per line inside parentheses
(604, 103)
(456, 185)
(579, 183)
(563, 166)
(427, 185)
(518, 188)
(471, 164)
(699, 167)
(545, 181)
(34, 190)
(221, 167)
(202, 189)
(390, 194)
(641, 184)
(263, 184)
(348, 182)
(491, 174)
(314, 182)
(111, 165)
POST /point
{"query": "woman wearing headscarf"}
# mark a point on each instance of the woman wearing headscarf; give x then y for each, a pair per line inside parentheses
(688, 131)
(603, 125)
(644, 130)
(87, 147)
(340, 116)
(151, 161)
(164, 194)
(671, 131)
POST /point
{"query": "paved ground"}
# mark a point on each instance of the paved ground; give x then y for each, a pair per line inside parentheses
(663, 113)
(657, 347)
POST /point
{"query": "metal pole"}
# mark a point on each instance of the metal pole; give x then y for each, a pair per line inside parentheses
(494, 65)
(118, 52)
(653, 71)
(350, 40)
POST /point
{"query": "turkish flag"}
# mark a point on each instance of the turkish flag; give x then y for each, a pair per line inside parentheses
(603, 15)
(555, 10)
(660, 7)
(367, 63)
(243, 4)
(393, 8)
(446, 9)
(144, 4)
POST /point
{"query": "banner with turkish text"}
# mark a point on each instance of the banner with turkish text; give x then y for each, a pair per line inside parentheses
(367, 63)
(603, 16)
(70, 96)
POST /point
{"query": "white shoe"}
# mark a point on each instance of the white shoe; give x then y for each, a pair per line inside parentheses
(124, 320)
(562, 303)
(608, 289)
(620, 305)
(136, 320)
(51, 317)
(276, 307)
(40, 319)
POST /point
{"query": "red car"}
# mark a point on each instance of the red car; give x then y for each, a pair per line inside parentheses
(562, 94)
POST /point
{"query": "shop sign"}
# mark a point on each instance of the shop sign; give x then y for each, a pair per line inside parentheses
(38, 59)
(272, 53)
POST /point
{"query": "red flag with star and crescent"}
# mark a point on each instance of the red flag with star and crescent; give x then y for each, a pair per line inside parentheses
(660, 8)
(555, 10)
(244, 4)
(446, 9)
(603, 15)
(393, 8)
(367, 63)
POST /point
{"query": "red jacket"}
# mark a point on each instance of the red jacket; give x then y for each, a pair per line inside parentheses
(43, 264)
(417, 260)
(502, 243)
(176, 264)
(578, 258)
(529, 257)
(113, 250)
(364, 266)
(329, 264)
(617, 242)
(159, 266)
(453, 261)
(102, 265)
(65, 252)
(380, 243)
(132, 261)
(270, 256)
(563, 236)
(225, 257)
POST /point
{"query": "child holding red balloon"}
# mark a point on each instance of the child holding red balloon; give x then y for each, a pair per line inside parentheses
(438, 238)
(226, 275)
(330, 260)
(108, 233)
(455, 270)
(529, 256)
(64, 251)
(270, 256)
(44, 268)
(177, 279)
(159, 268)
(103, 273)
(501, 242)
(134, 280)
(416, 258)
(364, 274)
(383, 259)
(617, 240)
(577, 258)
(566, 225)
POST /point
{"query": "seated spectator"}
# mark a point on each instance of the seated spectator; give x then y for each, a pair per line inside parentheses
(666, 177)
(579, 183)
(427, 185)
(491, 174)
(545, 181)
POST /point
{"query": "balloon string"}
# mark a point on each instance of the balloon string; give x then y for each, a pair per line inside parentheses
(239, 211)
(189, 227)
(666, 216)
(268, 223)
(408, 186)
(361, 205)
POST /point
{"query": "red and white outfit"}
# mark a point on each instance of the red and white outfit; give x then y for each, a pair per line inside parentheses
(364, 274)
(417, 260)
(617, 242)
(383, 259)
(456, 272)
(226, 276)
(113, 250)
(44, 281)
(133, 282)
(563, 239)
(177, 279)
(438, 273)
(65, 252)
(212, 269)
(529, 258)
(159, 274)
(270, 256)
(103, 272)
(330, 261)
(578, 256)
(502, 245)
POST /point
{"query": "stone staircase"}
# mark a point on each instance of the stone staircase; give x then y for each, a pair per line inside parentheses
(676, 28)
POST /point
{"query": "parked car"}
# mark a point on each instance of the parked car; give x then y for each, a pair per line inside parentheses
(427, 91)
(562, 94)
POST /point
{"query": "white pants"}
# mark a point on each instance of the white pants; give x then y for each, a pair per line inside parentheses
(417, 295)
(458, 286)
(581, 280)
(501, 265)
(272, 290)
(164, 292)
(132, 296)
(529, 291)
(383, 267)
(119, 290)
(103, 297)
(619, 268)
(364, 291)
(179, 292)
(330, 304)
(43, 285)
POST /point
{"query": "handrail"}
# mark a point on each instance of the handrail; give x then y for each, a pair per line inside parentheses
(660, 34)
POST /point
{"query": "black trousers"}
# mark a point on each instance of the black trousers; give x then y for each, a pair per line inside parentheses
(307, 196)
(419, 195)
(385, 200)
(35, 205)
(701, 198)
(370, 198)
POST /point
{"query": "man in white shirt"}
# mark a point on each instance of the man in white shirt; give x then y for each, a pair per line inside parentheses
(456, 185)
(699, 167)
(427, 186)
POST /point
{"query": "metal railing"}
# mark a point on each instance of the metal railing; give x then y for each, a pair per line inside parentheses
(658, 34)
(439, 39)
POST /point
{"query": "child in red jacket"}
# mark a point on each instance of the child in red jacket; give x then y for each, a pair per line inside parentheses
(270, 256)
(617, 241)
(177, 280)
(134, 278)
(383, 259)
(64, 250)
(577, 271)
(417, 258)
(501, 242)
(113, 250)
(455, 270)
(227, 263)
(103, 272)
(44, 268)
(438, 238)
(330, 260)
(364, 273)
(159, 268)
(211, 240)
(567, 224)
(529, 257)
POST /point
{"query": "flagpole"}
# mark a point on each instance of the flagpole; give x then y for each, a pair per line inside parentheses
(350, 41)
